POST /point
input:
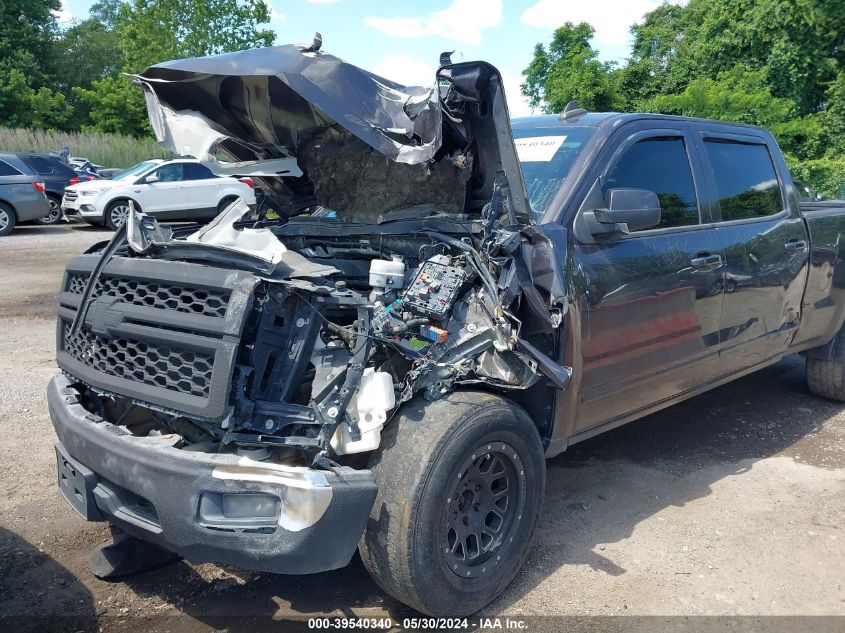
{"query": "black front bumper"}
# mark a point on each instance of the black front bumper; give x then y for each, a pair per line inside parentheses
(168, 496)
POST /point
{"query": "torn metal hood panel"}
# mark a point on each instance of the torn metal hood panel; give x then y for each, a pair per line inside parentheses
(263, 106)
(271, 99)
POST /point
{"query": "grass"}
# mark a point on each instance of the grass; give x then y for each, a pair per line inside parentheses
(109, 150)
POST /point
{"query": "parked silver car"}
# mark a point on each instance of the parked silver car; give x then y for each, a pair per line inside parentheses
(22, 195)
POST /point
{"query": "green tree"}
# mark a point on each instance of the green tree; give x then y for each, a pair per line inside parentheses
(834, 113)
(27, 30)
(654, 67)
(736, 95)
(27, 36)
(22, 105)
(88, 51)
(114, 104)
(147, 32)
(569, 69)
(153, 31)
(797, 42)
(106, 12)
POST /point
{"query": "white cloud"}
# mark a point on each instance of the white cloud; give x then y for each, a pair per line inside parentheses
(612, 19)
(406, 70)
(277, 16)
(63, 16)
(461, 21)
(517, 103)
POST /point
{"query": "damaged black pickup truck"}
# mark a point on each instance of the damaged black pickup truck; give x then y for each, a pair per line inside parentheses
(448, 298)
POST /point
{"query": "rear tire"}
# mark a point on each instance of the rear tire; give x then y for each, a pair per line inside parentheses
(826, 378)
(55, 214)
(116, 214)
(460, 489)
(7, 219)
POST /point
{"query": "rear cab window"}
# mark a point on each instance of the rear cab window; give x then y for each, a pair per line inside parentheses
(745, 178)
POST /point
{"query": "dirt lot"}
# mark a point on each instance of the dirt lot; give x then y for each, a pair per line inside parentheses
(729, 504)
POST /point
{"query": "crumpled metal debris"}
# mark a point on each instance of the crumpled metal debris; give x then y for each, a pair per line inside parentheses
(269, 100)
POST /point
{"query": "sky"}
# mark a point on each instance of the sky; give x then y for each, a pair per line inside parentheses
(403, 40)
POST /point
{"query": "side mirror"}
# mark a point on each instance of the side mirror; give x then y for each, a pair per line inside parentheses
(625, 210)
(151, 179)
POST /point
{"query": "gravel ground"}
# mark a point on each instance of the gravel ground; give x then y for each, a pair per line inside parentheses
(728, 504)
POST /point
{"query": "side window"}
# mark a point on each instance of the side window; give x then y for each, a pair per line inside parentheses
(660, 165)
(170, 173)
(41, 165)
(7, 170)
(195, 171)
(746, 180)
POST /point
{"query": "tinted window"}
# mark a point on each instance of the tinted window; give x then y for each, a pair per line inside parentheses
(41, 165)
(195, 171)
(132, 172)
(7, 170)
(169, 173)
(546, 155)
(660, 165)
(746, 180)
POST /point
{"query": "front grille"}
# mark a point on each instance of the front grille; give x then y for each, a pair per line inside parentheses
(76, 283)
(158, 332)
(182, 298)
(70, 196)
(154, 365)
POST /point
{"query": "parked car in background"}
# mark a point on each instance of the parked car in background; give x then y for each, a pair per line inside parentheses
(178, 189)
(805, 193)
(55, 175)
(84, 166)
(21, 193)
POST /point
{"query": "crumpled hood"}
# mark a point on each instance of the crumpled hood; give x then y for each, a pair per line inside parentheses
(263, 106)
(270, 99)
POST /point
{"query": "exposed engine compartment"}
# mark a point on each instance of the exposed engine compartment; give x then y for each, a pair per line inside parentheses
(411, 271)
(330, 347)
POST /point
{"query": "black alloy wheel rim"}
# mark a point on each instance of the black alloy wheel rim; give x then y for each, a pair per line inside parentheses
(483, 511)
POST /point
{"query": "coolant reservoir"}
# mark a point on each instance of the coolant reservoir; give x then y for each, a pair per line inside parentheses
(387, 273)
(374, 399)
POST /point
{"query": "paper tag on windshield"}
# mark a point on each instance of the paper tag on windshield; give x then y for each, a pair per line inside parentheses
(538, 149)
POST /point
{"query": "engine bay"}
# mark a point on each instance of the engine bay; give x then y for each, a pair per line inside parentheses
(329, 352)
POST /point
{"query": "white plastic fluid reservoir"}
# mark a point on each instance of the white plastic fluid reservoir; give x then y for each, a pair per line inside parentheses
(374, 399)
(387, 273)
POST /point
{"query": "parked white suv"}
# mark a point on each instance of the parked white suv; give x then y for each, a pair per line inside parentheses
(178, 189)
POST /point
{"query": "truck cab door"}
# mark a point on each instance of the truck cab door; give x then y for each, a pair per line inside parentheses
(765, 243)
(653, 297)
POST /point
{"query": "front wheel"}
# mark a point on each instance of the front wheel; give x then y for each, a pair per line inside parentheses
(116, 214)
(461, 483)
(55, 212)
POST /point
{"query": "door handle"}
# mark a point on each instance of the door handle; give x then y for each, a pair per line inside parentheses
(706, 261)
(795, 246)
